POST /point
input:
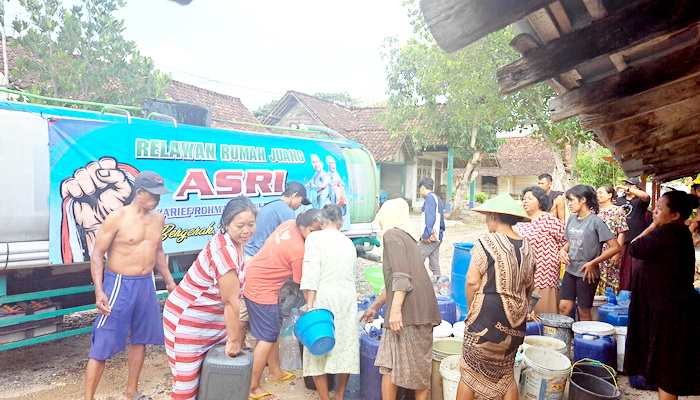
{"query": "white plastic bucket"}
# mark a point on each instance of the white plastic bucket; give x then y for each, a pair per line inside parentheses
(443, 330)
(449, 370)
(546, 342)
(593, 328)
(620, 338)
(543, 375)
(458, 329)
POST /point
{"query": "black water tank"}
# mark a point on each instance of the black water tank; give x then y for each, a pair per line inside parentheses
(184, 113)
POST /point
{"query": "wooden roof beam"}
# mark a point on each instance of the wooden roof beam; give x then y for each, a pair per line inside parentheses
(593, 97)
(640, 21)
(652, 123)
(649, 101)
(457, 23)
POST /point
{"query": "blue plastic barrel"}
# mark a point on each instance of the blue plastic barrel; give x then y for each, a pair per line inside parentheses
(448, 309)
(461, 257)
(614, 315)
(370, 378)
(534, 328)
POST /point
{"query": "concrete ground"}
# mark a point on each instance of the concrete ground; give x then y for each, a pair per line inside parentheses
(55, 370)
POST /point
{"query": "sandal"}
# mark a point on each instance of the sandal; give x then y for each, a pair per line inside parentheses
(261, 396)
(286, 377)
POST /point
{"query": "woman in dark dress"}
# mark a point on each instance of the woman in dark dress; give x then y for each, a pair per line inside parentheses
(500, 281)
(664, 323)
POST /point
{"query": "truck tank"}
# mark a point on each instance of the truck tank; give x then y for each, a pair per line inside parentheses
(42, 147)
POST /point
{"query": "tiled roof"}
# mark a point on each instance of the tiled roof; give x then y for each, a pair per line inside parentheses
(521, 156)
(223, 108)
(361, 124)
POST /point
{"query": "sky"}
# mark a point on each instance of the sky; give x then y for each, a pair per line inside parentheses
(258, 49)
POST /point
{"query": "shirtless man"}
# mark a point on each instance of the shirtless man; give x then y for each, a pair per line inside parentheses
(556, 199)
(125, 292)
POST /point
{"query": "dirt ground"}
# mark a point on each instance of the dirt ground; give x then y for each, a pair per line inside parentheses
(55, 370)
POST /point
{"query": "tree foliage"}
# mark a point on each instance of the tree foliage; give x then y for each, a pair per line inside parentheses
(265, 109)
(80, 52)
(342, 98)
(596, 167)
(434, 95)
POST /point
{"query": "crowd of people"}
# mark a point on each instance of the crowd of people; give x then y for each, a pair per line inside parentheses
(262, 259)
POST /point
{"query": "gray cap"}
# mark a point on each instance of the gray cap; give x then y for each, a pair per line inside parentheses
(634, 181)
(150, 182)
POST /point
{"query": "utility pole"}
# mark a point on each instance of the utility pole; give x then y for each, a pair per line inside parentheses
(5, 82)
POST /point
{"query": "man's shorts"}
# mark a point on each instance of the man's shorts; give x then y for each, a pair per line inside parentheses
(576, 289)
(135, 318)
(265, 321)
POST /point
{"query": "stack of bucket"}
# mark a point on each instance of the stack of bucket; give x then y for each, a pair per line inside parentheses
(446, 372)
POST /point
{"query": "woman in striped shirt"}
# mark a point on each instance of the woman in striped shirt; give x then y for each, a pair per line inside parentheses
(204, 309)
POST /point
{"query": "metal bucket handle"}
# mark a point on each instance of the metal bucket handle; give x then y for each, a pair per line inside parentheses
(589, 361)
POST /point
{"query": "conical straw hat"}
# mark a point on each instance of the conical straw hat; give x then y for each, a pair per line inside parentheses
(503, 204)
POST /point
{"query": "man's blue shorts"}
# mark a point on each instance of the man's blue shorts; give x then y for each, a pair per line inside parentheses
(135, 318)
(264, 320)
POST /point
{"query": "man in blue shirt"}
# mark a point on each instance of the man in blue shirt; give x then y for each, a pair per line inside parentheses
(272, 214)
(434, 227)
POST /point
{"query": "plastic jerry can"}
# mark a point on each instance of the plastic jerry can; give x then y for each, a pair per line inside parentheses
(224, 377)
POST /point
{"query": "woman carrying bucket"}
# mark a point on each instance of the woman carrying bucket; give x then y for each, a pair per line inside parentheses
(586, 233)
(664, 315)
(499, 283)
(204, 309)
(328, 279)
(279, 260)
(405, 352)
(546, 237)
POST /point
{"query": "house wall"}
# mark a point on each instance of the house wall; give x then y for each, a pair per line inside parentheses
(392, 179)
(512, 185)
(297, 115)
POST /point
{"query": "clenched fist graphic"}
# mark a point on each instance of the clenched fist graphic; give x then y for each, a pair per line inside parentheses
(92, 193)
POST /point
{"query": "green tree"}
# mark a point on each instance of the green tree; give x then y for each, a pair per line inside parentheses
(80, 52)
(596, 167)
(265, 110)
(455, 97)
(342, 98)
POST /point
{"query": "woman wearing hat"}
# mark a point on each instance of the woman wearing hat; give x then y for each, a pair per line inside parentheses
(499, 283)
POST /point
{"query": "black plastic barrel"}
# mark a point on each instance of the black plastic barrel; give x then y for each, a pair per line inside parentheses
(588, 387)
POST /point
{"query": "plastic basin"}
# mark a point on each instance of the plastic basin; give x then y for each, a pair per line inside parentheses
(316, 331)
(374, 275)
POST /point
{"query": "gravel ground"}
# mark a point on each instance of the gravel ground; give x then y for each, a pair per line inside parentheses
(55, 370)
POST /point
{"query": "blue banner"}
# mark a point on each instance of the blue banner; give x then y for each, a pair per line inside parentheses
(93, 166)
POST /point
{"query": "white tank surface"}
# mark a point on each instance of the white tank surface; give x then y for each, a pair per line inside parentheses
(24, 215)
(24, 158)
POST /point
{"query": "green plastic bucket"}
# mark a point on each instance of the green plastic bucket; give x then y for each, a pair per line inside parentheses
(375, 276)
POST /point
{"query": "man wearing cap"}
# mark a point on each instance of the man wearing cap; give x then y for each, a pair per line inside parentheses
(125, 292)
(272, 214)
(635, 202)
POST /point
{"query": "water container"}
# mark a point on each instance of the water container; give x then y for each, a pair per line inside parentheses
(621, 339)
(589, 387)
(443, 330)
(370, 379)
(448, 309)
(316, 331)
(596, 341)
(450, 372)
(534, 328)
(557, 326)
(543, 374)
(461, 257)
(442, 348)
(224, 377)
(614, 315)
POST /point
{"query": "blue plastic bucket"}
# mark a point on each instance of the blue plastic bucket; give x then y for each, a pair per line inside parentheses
(461, 257)
(316, 331)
